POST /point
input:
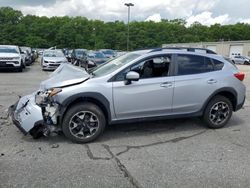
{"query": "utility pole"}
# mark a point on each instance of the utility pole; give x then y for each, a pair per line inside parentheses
(128, 5)
(94, 31)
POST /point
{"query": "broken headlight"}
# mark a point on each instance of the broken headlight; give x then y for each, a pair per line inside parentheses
(52, 92)
(43, 96)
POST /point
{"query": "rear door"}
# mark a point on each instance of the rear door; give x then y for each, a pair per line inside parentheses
(195, 80)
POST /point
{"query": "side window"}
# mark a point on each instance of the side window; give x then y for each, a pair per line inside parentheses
(208, 65)
(153, 67)
(218, 65)
(193, 64)
(149, 68)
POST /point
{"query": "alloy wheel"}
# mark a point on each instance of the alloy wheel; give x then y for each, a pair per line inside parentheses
(83, 124)
(219, 113)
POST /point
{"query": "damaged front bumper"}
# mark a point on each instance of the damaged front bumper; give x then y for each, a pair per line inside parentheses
(26, 114)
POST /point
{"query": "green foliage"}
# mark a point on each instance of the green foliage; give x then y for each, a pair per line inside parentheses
(79, 32)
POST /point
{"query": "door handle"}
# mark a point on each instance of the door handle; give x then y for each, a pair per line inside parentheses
(212, 81)
(167, 84)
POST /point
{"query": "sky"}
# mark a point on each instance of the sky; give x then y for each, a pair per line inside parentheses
(207, 12)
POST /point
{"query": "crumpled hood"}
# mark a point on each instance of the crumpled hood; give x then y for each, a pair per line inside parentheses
(54, 59)
(64, 75)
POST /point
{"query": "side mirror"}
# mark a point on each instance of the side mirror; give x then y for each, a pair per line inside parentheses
(131, 76)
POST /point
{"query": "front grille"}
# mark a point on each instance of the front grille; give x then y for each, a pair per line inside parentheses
(3, 64)
(54, 65)
(54, 62)
(6, 58)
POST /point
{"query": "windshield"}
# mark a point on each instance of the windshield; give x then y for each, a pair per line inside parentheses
(99, 55)
(8, 50)
(108, 52)
(53, 54)
(245, 57)
(80, 52)
(114, 64)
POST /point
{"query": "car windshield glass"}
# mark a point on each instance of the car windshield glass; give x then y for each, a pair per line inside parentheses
(108, 52)
(245, 57)
(53, 54)
(80, 52)
(99, 55)
(114, 64)
(8, 50)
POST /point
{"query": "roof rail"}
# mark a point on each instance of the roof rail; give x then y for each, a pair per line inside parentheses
(189, 49)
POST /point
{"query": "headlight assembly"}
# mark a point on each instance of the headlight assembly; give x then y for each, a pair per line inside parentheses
(43, 97)
(52, 92)
(16, 58)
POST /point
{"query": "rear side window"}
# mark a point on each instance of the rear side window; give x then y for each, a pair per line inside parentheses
(193, 64)
(218, 65)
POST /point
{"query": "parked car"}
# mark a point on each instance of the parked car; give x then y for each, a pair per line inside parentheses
(28, 52)
(79, 58)
(138, 86)
(108, 53)
(69, 55)
(34, 55)
(119, 53)
(51, 59)
(77, 55)
(243, 60)
(97, 57)
(11, 58)
(23, 55)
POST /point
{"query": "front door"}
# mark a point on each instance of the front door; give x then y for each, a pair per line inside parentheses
(150, 96)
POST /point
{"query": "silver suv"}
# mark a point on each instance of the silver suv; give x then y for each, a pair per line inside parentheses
(138, 86)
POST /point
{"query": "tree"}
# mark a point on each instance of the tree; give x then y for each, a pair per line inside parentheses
(79, 32)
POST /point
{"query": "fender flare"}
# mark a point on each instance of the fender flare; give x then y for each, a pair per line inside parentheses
(101, 99)
(224, 89)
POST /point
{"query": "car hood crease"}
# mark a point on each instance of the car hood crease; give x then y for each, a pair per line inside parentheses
(65, 75)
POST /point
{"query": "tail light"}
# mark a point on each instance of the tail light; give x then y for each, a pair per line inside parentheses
(240, 76)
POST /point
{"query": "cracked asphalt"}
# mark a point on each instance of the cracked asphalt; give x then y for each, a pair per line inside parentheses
(171, 153)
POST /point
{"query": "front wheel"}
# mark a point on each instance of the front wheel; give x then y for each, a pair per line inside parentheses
(83, 122)
(20, 69)
(218, 112)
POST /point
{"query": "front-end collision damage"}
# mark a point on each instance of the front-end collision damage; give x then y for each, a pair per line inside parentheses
(37, 113)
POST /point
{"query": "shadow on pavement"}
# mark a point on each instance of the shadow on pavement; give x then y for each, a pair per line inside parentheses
(141, 129)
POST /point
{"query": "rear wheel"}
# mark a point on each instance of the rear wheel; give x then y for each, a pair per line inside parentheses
(83, 122)
(218, 112)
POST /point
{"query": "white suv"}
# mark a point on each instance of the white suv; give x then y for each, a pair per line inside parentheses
(11, 58)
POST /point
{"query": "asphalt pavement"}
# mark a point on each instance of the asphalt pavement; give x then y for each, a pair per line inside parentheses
(171, 153)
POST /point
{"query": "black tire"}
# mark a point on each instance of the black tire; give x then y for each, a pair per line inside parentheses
(20, 69)
(36, 132)
(209, 112)
(71, 114)
(23, 65)
(246, 63)
(233, 61)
